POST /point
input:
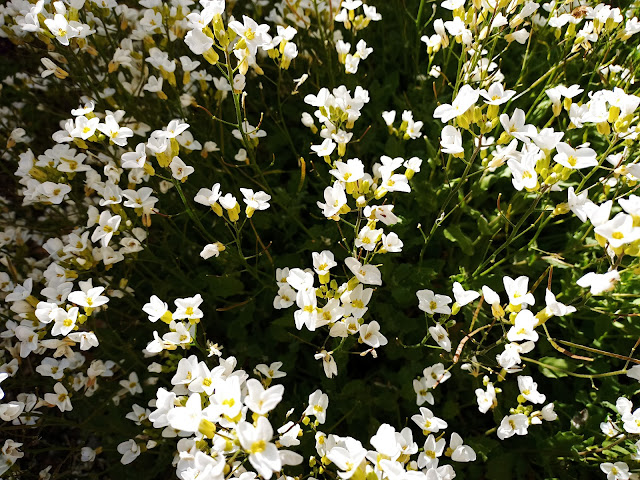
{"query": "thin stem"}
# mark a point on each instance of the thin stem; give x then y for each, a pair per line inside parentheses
(579, 375)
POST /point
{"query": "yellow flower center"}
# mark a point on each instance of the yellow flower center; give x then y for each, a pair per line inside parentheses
(258, 447)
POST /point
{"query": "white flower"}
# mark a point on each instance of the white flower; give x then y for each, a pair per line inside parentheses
(107, 226)
(325, 149)
(433, 303)
(435, 375)
(255, 201)
(351, 171)
(523, 172)
(318, 403)
(461, 452)
(188, 308)
(370, 334)
(271, 371)
(517, 291)
(421, 388)
(60, 27)
(65, 321)
(512, 425)
(129, 450)
(92, 298)
(156, 309)
(462, 296)
(86, 339)
(439, 334)
(60, 398)
(554, 307)
(87, 454)
(579, 204)
(427, 422)
(335, 198)
(367, 274)
(529, 389)
(511, 355)
(323, 262)
(575, 158)
(548, 413)
(451, 141)
(115, 132)
(132, 384)
(391, 243)
(328, 363)
(368, 238)
(524, 328)
(615, 471)
(467, 96)
(212, 250)
(3, 376)
(496, 95)
(198, 41)
(620, 230)
(599, 283)
(348, 457)
(486, 399)
(254, 35)
(389, 117)
(263, 455)
(179, 169)
(262, 401)
(634, 372)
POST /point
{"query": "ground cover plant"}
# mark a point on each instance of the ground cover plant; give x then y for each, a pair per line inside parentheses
(324, 239)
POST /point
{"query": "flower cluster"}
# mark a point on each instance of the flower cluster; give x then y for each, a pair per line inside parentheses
(158, 148)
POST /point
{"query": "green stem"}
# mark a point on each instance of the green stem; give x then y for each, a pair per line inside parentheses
(511, 236)
(192, 214)
(419, 17)
(579, 375)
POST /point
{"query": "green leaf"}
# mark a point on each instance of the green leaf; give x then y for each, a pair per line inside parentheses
(556, 262)
(558, 367)
(565, 442)
(225, 285)
(454, 234)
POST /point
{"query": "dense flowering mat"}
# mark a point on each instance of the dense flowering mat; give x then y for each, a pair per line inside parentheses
(319, 239)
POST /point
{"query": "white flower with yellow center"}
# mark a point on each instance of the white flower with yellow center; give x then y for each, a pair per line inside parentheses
(256, 441)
